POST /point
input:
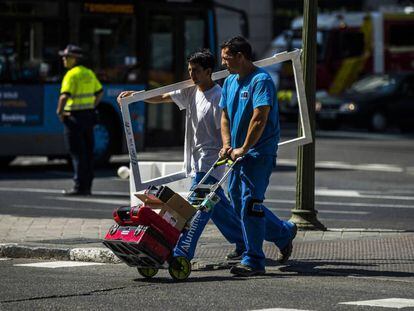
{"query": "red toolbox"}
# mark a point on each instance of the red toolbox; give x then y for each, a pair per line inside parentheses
(147, 217)
(150, 240)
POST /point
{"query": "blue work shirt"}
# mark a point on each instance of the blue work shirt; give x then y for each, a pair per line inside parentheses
(240, 97)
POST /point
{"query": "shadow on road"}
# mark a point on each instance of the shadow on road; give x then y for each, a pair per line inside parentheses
(344, 268)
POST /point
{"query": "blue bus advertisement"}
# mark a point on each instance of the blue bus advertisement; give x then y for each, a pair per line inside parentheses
(29, 125)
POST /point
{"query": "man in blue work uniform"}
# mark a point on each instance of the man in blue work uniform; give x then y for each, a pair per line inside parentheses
(250, 129)
(80, 93)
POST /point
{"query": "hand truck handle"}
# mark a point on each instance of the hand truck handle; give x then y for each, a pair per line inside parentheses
(220, 161)
(231, 165)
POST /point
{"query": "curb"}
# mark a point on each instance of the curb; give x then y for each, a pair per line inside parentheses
(100, 255)
(95, 254)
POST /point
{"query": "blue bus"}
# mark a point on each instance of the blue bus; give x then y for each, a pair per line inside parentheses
(130, 44)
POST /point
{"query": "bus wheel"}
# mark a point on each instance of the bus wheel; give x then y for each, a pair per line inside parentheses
(104, 134)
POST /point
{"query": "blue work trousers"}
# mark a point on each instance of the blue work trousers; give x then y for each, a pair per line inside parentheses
(247, 186)
(223, 217)
(229, 224)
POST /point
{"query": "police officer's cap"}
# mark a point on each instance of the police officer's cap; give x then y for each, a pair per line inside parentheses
(72, 50)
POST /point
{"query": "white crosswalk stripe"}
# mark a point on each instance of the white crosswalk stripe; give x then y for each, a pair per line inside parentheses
(58, 264)
(377, 167)
(395, 303)
(280, 309)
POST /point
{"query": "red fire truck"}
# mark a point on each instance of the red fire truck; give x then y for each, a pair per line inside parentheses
(349, 45)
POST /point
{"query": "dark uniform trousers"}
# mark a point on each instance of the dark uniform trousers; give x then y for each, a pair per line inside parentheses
(79, 140)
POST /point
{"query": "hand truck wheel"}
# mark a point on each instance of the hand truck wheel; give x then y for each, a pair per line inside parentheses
(147, 272)
(179, 268)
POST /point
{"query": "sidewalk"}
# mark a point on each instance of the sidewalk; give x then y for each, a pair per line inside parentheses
(352, 251)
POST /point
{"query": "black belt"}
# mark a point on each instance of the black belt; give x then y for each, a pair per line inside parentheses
(77, 112)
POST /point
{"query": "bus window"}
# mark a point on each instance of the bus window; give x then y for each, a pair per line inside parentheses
(161, 71)
(168, 52)
(161, 58)
(28, 49)
(110, 44)
(194, 30)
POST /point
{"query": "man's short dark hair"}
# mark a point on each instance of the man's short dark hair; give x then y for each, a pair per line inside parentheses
(238, 44)
(202, 57)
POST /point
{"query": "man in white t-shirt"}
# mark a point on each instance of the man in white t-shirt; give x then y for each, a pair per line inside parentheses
(202, 146)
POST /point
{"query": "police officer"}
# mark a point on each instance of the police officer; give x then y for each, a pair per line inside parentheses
(80, 93)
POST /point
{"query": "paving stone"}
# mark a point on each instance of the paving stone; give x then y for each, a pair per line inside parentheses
(351, 235)
(329, 235)
(313, 235)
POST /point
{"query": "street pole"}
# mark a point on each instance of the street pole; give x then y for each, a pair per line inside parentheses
(304, 214)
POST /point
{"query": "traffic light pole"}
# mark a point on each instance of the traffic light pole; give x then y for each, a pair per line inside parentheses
(304, 215)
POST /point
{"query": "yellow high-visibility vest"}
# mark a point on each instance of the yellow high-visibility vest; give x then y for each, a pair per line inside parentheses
(81, 84)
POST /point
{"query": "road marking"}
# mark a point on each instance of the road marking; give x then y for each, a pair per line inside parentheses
(58, 264)
(323, 211)
(344, 204)
(396, 303)
(93, 200)
(387, 279)
(377, 167)
(30, 190)
(4, 259)
(280, 309)
(354, 135)
(61, 208)
(360, 167)
(53, 191)
(345, 193)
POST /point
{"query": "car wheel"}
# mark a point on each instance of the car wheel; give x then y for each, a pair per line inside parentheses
(328, 125)
(6, 160)
(378, 121)
(406, 128)
(104, 135)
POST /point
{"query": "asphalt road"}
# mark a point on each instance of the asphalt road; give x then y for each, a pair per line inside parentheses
(362, 180)
(118, 287)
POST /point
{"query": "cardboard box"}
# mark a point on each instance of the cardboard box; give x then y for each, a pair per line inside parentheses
(173, 218)
(177, 211)
(181, 206)
(149, 199)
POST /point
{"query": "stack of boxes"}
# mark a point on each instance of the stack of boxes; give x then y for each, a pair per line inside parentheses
(151, 230)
